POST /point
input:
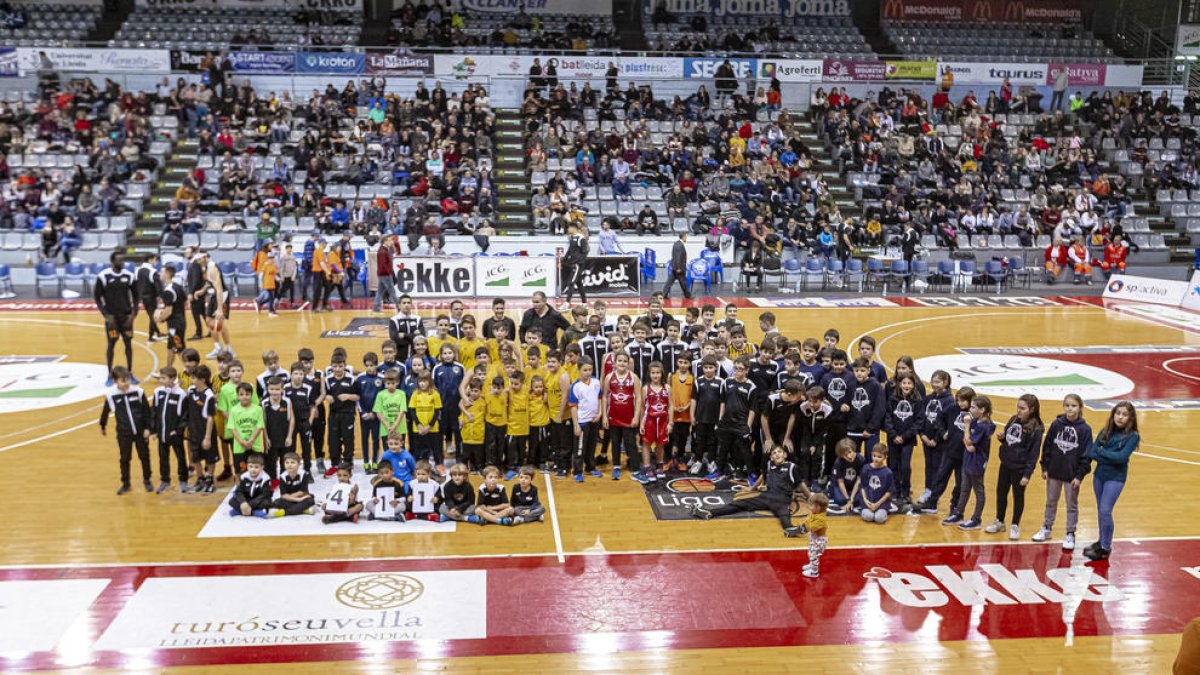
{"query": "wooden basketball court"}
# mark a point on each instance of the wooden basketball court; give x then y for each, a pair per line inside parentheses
(603, 585)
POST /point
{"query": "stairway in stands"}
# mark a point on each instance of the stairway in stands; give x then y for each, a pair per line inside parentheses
(508, 174)
(147, 232)
(823, 163)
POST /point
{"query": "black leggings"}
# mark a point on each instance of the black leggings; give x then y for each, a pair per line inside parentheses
(1009, 478)
(779, 507)
(573, 281)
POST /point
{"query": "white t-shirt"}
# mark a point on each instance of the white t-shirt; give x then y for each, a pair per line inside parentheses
(586, 397)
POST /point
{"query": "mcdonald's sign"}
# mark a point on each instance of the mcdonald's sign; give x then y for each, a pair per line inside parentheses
(983, 11)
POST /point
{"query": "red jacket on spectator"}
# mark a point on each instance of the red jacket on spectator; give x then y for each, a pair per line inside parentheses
(383, 262)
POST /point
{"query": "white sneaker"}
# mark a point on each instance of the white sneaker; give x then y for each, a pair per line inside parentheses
(232, 354)
(924, 497)
(1044, 534)
(810, 573)
(996, 526)
(214, 353)
(1014, 532)
(1069, 542)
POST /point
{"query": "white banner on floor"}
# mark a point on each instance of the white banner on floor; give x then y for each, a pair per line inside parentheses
(290, 609)
(35, 615)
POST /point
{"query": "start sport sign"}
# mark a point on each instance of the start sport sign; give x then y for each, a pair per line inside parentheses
(1011, 376)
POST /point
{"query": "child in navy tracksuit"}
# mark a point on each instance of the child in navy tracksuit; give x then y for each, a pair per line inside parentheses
(837, 384)
(809, 432)
(940, 400)
(1018, 458)
(901, 424)
(867, 405)
(369, 383)
(1066, 460)
(951, 426)
(977, 447)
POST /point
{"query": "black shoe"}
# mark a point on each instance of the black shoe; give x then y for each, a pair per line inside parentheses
(797, 531)
(123, 489)
(148, 485)
(702, 514)
(1097, 554)
(601, 460)
(197, 336)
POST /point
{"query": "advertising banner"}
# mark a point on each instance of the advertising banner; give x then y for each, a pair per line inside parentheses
(1119, 75)
(1078, 74)
(910, 70)
(784, 9)
(399, 62)
(792, 70)
(263, 62)
(333, 5)
(435, 277)
(515, 277)
(9, 66)
(995, 73)
(536, 7)
(95, 60)
(333, 63)
(854, 71)
(466, 66)
(1191, 299)
(1146, 289)
(190, 61)
(983, 11)
(611, 275)
(707, 68)
(1187, 39)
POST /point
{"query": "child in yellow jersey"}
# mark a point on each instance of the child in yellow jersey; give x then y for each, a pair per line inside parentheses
(469, 344)
(471, 422)
(561, 435)
(499, 341)
(425, 406)
(571, 364)
(495, 427)
(518, 424)
(815, 525)
(739, 346)
(533, 364)
(533, 340)
(539, 423)
(441, 337)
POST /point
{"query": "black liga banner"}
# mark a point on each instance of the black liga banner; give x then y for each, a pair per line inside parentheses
(672, 499)
(612, 275)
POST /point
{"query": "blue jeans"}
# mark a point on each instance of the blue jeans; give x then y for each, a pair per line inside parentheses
(1107, 493)
(836, 495)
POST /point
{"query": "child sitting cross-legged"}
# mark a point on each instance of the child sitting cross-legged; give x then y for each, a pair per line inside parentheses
(387, 495)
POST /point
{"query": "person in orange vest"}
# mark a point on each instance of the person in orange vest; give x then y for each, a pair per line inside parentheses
(320, 273)
(1080, 261)
(1115, 254)
(1056, 260)
(268, 278)
(336, 273)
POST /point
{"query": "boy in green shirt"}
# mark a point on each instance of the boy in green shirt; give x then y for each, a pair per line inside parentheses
(391, 407)
(227, 399)
(246, 425)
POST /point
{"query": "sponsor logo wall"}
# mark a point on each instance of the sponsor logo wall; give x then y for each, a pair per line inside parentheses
(511, 277)
(534, 7)
(982, 11)
(1145, 289)
(95, 60)
(780, 8)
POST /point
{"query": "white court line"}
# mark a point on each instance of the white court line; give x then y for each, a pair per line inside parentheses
(77, 427)
(558, 546)
(575, 554)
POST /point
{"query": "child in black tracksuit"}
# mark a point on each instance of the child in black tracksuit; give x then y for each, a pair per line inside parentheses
(737, 419)
(295, 489)
(939, 400)
(1019, 451)
(773, 492)
(837, 383)
(902, 424)
(809, 432)
(867, 407)
(952, 424)
(706, 400)
(252, 496)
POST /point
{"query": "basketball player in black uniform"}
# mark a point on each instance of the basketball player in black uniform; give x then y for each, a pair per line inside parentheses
(113, 294)
(145, 280)
(173, 312)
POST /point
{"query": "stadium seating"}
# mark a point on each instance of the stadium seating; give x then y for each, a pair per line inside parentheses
(213, 29)
(34, 24)
(997, 42)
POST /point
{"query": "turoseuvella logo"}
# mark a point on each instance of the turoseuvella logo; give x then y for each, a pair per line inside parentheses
(1011, 376)
(379, 591)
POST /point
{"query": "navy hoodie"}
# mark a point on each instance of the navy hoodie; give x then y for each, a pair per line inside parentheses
(903, 419)
(1065, 449)
(838, 389)
(935, 408)
(866, 407)
(975, 463)
(953, 422)
(1020, 447)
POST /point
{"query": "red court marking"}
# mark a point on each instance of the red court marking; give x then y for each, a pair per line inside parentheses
(611, 603)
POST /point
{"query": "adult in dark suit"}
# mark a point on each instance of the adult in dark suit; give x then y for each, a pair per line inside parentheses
(678, 267)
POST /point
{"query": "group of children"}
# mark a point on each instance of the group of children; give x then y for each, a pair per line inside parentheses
(691, 396)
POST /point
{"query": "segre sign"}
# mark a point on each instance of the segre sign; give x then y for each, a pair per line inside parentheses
(1146, 289)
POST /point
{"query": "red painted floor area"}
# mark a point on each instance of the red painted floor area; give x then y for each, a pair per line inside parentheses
(667, 601)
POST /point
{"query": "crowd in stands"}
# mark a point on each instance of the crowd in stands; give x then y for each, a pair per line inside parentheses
(95, 142)
(351, 160)
(438, 24)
